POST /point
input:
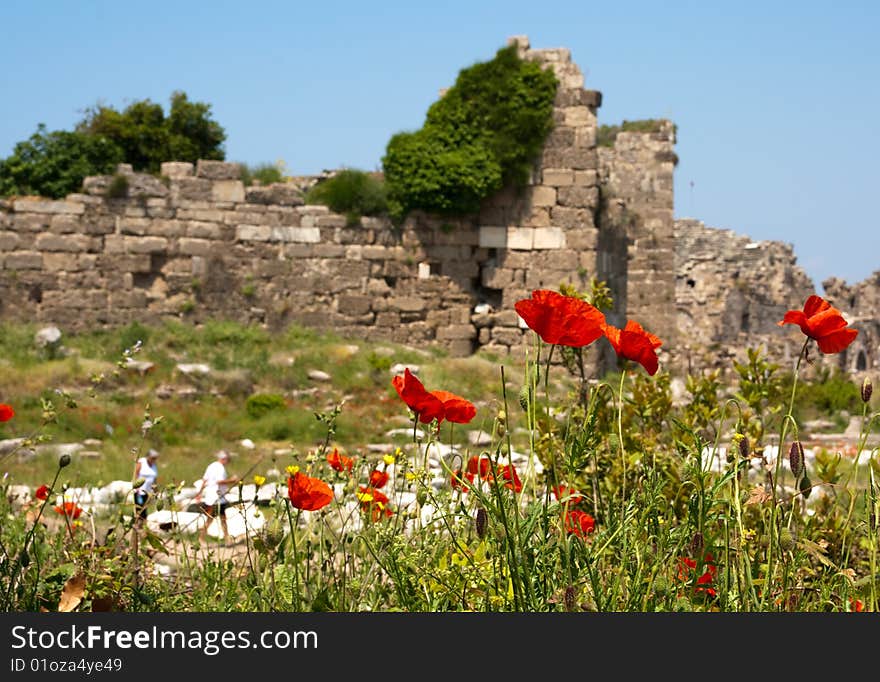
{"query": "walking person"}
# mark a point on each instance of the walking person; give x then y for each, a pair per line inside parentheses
(211, 495)
(146, 471)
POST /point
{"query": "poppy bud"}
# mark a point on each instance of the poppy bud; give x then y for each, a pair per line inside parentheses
(421, 496)
(63, 461)
(805, 486)
(160, 504)
(867, 389)
(481, 520)
(796, 458)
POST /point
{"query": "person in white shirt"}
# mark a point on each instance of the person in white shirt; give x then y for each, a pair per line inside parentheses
(211, 495)
(147, 471)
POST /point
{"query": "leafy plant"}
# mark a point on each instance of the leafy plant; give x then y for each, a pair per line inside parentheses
(352, 192)
(260, 404)
(484, 132)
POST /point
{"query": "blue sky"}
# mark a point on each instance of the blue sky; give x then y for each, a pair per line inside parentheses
(776, 102)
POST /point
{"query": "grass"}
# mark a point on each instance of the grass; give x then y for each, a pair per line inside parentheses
(649, 523)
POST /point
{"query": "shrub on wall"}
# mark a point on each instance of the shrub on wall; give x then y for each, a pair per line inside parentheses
(53, 164)
(484, 133)
(350, 191)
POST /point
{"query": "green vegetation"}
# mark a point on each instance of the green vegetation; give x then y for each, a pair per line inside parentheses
(607, 134)
(483, 133)
(263, 173)
(352, 192)
(54, 164)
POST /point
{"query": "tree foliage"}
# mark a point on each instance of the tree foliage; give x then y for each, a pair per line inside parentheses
(483, 133)
(54, 164)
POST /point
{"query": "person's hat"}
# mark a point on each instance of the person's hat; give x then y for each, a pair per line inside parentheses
(221, 454)
(152, 453)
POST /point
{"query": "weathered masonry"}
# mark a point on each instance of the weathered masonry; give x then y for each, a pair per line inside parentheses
(198, 244)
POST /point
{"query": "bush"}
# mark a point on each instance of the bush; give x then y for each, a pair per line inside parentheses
(606, 136)
(118, 188)
(147, 137)
(264, 173)
(483, 133)
(260, 404)
(350, 191)
(54, 164)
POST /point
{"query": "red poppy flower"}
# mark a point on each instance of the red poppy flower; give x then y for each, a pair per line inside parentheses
(374, 502)
(634, 343)
(561, 320)
(461, 482)
(455, 408)
(578, 523)
(42, 493)
(823, 322)
(479, 465)
(563, 491)
(69, 509)
(510, 477)
(856, 605)
(340, 462)
(687, 567)
(378, 478)
(6, 412)
(437, 405)
(307, 493)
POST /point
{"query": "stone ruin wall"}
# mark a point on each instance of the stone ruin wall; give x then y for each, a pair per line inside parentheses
(862, 303)
(198, 245)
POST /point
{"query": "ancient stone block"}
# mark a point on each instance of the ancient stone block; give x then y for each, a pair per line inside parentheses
(520, 238)
(348, 304)
(176, 169)
(457, 331)
(253, 233)
(146, 244)
(493, 237)
(63, 242)
(195, 247)
(9, 241)
(557, 177)
(218, 170)
(227, 190)
(32, 205)
(308, 235)
(23, 260)
(579, 197)
(548, 238)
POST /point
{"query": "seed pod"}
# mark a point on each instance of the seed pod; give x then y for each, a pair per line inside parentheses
(745, 448)
(421, 496)
(796, 458)
(697, 544)
(524, 395)
(786, 539)
(481, 521)
(867, 389)
(569, 598)
(63, 461)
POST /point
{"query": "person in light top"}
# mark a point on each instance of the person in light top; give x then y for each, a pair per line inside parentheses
(146, 471)
(211, 495)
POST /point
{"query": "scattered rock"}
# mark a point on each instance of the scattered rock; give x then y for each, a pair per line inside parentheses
(479, 438)
(142, 367)
(48, 337)
(247, 444)
(318, 375)
(400, 368)
(194, 368)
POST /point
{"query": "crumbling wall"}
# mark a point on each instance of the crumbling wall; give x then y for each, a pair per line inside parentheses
(730, 292)
(862, 303)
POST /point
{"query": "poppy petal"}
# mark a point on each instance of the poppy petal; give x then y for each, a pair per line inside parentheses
(837, 341)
